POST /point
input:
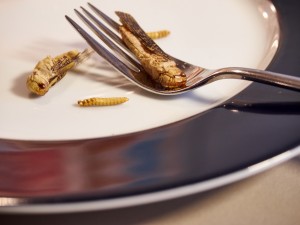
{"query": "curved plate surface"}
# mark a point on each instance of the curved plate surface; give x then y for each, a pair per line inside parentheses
(210, 149)
(251, 41)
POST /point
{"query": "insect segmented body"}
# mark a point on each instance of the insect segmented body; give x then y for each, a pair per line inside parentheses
(158, 34)
(102, 101)
(155, 61)
(50, 70)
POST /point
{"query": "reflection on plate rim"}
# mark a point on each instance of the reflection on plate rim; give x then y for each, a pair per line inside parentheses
(13, 205)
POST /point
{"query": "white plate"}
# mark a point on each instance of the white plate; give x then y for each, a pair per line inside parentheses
(211, 34)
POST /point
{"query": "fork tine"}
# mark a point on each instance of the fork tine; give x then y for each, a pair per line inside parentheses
(111, 34)
(113, 60)
(108, 42)
(106, 18)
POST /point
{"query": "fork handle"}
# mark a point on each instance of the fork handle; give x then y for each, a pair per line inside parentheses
(262, 76)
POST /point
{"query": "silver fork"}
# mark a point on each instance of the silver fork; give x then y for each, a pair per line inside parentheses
(196, 75)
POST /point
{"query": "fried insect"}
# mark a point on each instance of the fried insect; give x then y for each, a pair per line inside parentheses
(155, 61)
(158, 34)
(102, 101)
(50, 70)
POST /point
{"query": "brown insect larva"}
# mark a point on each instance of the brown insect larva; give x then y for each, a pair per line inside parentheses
(158, 34)
(50, 70)
(102, 101)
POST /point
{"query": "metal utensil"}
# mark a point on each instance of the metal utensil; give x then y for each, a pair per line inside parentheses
(133, 70)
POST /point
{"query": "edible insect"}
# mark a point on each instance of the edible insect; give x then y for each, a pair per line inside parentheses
(158, 34)
(102, 101)
(50, 70)
(155, 61)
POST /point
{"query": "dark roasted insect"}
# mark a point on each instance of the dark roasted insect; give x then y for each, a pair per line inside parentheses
(157, 64)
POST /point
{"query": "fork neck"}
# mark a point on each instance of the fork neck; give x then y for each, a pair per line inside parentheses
(267, 77)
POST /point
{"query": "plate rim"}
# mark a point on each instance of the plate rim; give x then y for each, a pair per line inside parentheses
(151, 197)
